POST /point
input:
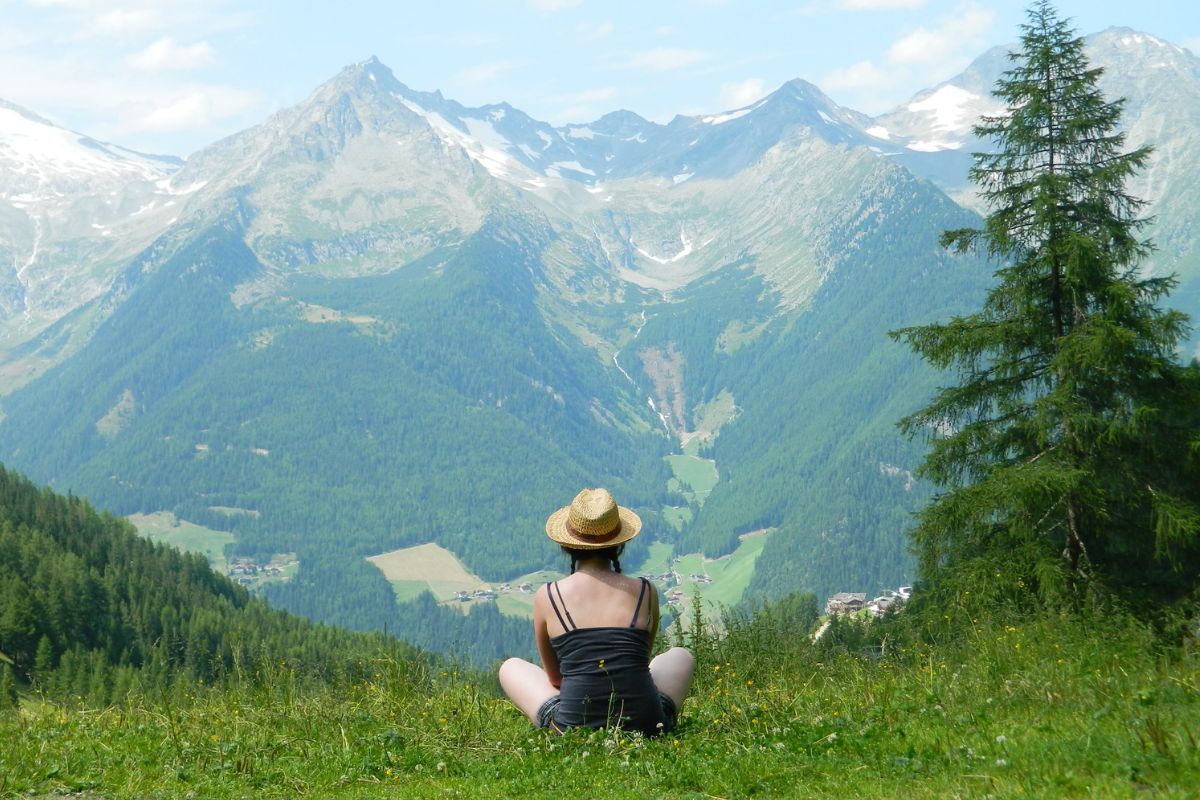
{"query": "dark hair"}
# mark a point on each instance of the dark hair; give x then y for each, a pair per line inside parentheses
(612, 554)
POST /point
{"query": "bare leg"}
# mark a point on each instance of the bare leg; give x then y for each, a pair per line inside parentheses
(672, 673)
(526, 685)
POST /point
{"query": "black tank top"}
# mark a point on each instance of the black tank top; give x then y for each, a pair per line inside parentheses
(605, 673)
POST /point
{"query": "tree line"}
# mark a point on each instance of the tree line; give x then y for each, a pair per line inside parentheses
(88, 607)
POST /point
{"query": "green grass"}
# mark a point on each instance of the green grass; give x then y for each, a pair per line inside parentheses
(677, 516)
(516, 603)
(715, 413)
(730, 574)
(1045, 708)
(163, 526)
(408, 590)
(695, 477)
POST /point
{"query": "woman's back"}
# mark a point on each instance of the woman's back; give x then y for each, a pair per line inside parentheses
(603, 654)
(594, 599)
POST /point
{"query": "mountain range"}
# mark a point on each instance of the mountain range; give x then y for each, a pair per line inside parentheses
(381, 319)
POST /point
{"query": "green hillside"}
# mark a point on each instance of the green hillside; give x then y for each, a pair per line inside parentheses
(89, 608)
(812, 449)
(341, 420)
(131, 670)
(1054, 707)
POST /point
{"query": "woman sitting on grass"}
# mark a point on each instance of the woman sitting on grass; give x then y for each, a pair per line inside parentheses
(595, 632)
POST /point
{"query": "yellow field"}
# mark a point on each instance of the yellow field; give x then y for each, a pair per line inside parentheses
(412, 570)
(432, 565)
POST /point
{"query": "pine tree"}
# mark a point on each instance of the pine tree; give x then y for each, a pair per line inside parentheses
(1067, 451)
(43, 661)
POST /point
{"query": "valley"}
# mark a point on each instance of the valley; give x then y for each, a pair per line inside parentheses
(381, 321)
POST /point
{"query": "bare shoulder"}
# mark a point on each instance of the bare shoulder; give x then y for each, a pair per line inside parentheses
(541, 598)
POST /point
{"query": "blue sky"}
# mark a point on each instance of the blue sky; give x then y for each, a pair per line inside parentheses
(171, 76)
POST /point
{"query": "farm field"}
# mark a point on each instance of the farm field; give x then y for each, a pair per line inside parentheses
(412, 570)
(431, 567)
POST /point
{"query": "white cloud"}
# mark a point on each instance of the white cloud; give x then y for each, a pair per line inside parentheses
(964, 31)
(126, 22)
(592, 31)
(921, 56)
(166, 54)
(549, 6)
(588, 95)
(486, 72)
(195, 109)
(584, 105)
(59, 3)
(876, 5)
(665, 59)
(861, 75)
(456, 40)
(813, 9)
(739, 94)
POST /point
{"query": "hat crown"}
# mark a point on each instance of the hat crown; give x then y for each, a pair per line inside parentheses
(592, 521)
(593, 513)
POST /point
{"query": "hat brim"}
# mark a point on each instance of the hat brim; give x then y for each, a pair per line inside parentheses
(556, 529)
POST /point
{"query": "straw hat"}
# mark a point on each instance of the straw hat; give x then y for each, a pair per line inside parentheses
(593, 521)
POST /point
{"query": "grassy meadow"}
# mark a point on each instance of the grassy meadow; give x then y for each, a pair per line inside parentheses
(1050, 707)
(163, 526)
(694, 477)
(729, 574)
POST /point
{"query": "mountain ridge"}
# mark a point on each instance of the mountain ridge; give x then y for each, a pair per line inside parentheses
(379, 317)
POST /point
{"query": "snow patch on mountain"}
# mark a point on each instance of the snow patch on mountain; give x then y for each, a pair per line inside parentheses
(950, 113)
(574, 166)
(682, 254)
(482, 143)
(729, 116)
(950, 108)
(37, 148)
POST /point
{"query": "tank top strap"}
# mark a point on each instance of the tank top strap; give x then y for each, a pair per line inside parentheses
(551, 588)
(641, 597)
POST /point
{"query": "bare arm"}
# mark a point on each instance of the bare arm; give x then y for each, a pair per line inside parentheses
(541, 636)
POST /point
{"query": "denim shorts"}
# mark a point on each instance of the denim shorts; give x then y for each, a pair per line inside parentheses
(545, 714)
